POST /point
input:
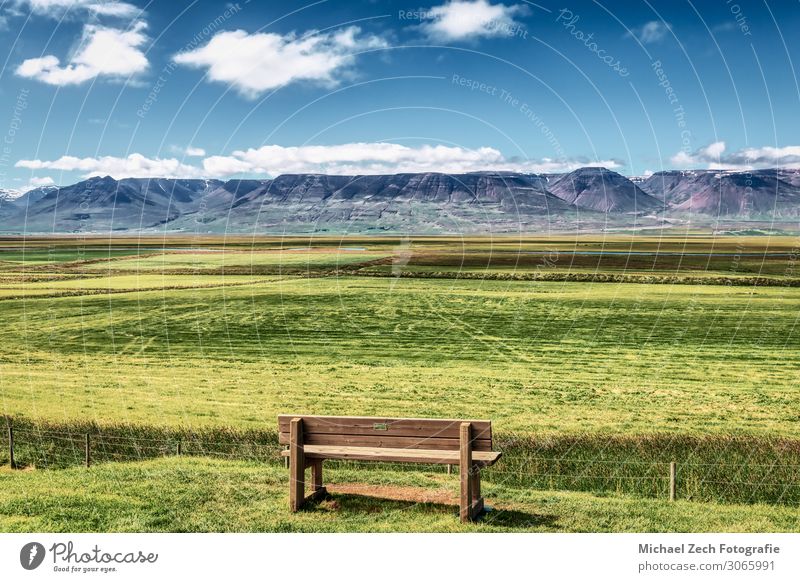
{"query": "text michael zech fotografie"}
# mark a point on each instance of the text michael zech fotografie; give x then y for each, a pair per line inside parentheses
(709, 548)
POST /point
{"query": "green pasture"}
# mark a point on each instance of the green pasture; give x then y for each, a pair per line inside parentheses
(543, 356)
(293, 258)
(213, 333)
(202, 495)
(552, 357)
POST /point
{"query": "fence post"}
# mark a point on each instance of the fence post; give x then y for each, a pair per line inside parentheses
(88, 453)
(11, 447)
(673, 470)
(178, 449)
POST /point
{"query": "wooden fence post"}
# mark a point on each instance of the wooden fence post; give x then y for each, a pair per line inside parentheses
(673, 471)
(178, 449)
(88, 452)
(11, 447)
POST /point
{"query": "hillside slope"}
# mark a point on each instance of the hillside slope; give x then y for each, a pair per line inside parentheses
(602, 190)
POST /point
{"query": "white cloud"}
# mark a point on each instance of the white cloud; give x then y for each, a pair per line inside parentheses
(38, 183)
(60, 8)
(714, 157)
(343, 159)
(714, 150)
(132, 166)
(652, 32)
(43, 181)
(468, 20)
(255, 63)
(189, 151)
(379, 158)
(103, 51)
(118, 9)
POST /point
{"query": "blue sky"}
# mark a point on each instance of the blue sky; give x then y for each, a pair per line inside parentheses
(218, 90)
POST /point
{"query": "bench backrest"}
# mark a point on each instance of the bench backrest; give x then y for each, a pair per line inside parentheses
(396, 433)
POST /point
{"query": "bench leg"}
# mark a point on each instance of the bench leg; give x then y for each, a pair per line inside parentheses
(297, 465)
(477, 500)
(316, 474)
(319, 491)
(464, 466)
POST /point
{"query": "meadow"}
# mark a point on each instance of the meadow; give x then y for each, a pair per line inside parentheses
(594, 383)
(200, 495)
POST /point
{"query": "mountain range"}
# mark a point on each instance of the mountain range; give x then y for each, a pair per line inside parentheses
(590, 197)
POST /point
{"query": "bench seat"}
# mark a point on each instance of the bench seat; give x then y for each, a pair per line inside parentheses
(480, 458)
(311, 440)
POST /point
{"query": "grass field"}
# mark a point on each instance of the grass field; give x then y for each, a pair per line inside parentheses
(230, 332)
(179, 495)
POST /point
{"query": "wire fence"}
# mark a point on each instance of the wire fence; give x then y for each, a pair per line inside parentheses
(725, 469)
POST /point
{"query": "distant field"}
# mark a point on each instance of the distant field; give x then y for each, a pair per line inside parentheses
(290, 258)
(14, 256)
(209, 347)
(232, 332)
(554, 357)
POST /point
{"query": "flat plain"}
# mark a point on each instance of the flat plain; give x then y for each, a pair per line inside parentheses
(620, 348)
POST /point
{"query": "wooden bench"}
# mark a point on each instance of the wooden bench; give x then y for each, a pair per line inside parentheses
(313, 439)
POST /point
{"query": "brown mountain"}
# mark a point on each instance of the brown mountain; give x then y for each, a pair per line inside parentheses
(770, 194)
(602, 190)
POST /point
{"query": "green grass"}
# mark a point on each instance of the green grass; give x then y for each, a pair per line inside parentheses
(573, 373)
(86, 285)
(727, 469)
(191, 494)
(57, 253)
(143, 281)
(537, 357)
(290, 258)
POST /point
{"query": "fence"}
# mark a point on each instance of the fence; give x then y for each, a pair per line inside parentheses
(726, 469)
